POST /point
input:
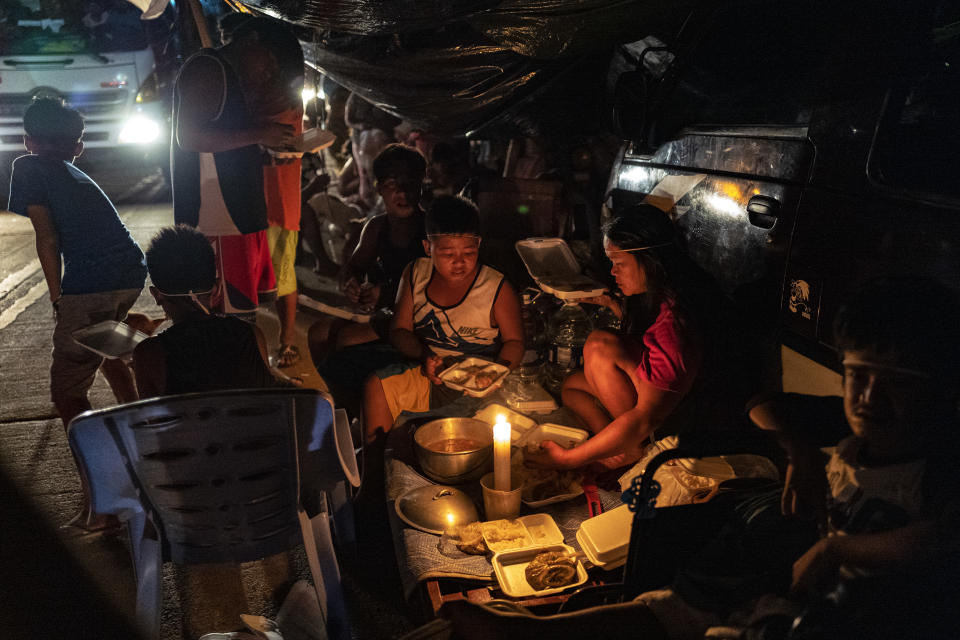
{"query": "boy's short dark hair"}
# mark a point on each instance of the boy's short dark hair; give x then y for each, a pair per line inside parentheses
(278, 39)
(452, 215)
(399, 161)
(180, 260)
(916, 320)
(50, 120)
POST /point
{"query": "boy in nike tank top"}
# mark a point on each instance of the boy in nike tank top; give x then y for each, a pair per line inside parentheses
(448, 305)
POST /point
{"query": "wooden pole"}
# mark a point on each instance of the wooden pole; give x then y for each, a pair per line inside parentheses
(205, 40)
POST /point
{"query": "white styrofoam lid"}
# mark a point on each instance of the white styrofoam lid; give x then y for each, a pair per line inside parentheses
(555, 269)
(548, 258)
(538, 400)
(557, 433)
(519, 423)
(606, 537)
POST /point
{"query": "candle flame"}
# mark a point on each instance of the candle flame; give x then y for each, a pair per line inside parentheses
(501, 432)
(501, 418)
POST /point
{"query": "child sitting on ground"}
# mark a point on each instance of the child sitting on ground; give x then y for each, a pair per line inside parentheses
(201, 351)
(78, 232)
(448, 305)
(887, 494)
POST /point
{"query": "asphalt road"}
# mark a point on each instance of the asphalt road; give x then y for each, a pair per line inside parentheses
(35, 455)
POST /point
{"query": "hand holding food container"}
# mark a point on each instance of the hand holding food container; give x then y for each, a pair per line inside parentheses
(432, 364)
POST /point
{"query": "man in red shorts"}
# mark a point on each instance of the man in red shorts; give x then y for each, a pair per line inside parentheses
(217, 167)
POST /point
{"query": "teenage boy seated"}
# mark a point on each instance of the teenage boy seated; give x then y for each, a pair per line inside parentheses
(388, 243)
(887, 495)
(448, 306)
(201, 351)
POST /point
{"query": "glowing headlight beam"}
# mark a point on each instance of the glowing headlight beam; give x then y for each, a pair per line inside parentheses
(139, 130)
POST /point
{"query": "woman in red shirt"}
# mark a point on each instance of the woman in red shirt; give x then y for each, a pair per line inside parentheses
(634, 381)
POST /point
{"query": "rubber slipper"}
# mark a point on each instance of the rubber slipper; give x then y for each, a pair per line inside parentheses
(287, 356)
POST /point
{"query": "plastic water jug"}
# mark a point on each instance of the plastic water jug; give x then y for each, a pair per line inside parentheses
(567, 332)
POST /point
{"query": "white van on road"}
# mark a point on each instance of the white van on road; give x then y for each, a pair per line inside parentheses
(103, 66)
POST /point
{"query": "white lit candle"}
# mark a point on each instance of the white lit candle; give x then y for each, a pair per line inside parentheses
(501, 454)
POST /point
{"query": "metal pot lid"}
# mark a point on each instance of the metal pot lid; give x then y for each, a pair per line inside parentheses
(434, 508)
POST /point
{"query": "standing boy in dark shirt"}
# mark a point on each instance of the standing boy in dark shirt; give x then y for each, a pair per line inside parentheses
(94, 269)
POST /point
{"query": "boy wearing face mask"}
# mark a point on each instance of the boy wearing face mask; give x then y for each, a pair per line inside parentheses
(201, 351)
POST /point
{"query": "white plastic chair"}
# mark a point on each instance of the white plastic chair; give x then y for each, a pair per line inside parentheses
(218, 477)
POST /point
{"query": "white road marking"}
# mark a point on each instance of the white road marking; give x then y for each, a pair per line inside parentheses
(13, 280)
(36, 292)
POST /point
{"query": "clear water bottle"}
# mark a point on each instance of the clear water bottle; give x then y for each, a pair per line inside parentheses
(534, 322)
(567, 331)
(605, 318)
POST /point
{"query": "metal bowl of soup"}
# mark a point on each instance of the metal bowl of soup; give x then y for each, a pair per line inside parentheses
(454, 450)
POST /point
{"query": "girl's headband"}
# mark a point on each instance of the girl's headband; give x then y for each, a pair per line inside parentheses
(431, 236)
(854, 362)
(651, 246)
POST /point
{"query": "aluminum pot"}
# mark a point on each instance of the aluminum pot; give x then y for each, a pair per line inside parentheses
(460, 466)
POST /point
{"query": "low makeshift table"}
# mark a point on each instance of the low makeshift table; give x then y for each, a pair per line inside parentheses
(418, 554)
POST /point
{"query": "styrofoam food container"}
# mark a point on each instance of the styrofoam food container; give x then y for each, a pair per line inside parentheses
(110, 339)
(447, 374)
(539, 401)
(554, 268)
(605, 539)
(557, 433)
(576, 490)
(563, 436)
(541, 529)
(509, 567)
(310, 141)
(519, 423)
(501, 545)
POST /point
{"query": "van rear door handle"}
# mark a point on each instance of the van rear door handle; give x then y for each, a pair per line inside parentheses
(763, 211)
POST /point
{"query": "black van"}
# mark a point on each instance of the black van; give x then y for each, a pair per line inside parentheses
(804, 147)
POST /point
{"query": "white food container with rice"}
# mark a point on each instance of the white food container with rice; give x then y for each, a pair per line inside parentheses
(538, 529)
(554, 268)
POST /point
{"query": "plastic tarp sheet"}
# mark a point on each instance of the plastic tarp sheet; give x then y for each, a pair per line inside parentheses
(452, 66)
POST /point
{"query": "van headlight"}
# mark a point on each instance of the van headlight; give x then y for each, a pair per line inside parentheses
(139, 129)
